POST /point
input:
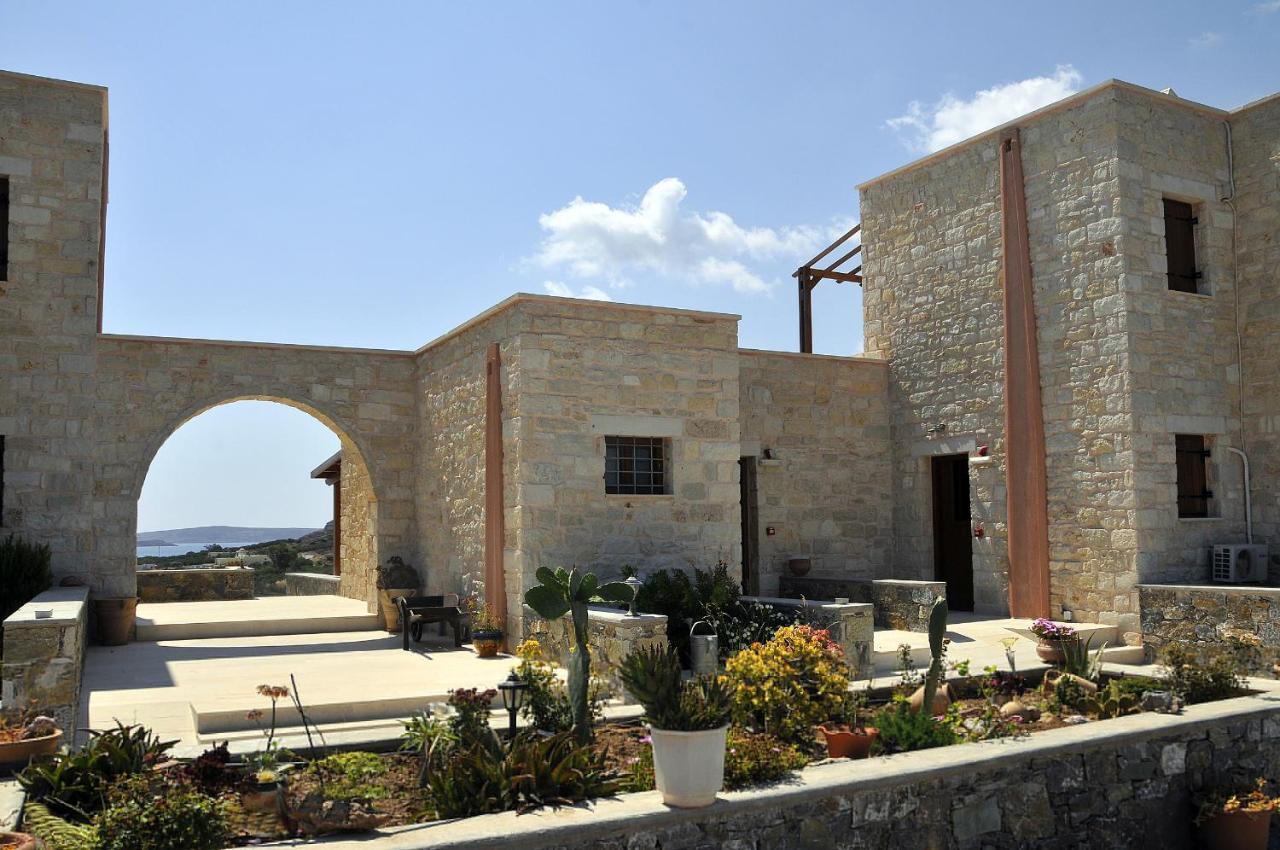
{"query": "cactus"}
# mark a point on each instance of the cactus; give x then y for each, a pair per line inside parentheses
(569, 592)
(1112, 702)
(938, 649)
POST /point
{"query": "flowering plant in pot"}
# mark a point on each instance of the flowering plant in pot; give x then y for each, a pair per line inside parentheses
(1237, 821)
(27, 736)
(1050, 640)
(688, 725)
(486, 629)
(395, 579)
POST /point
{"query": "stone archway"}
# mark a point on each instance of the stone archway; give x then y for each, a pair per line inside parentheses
(358, 506)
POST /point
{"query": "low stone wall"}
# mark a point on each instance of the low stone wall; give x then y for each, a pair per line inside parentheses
(900, 604)
(1201, 614)
(1116, 783)
(44, 656)
(311, 584)
(850, 624)
(613, 634)
(197, 585)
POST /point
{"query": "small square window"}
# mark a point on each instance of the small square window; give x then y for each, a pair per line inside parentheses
(1194, 496)
(1180, 246)
(636, 466)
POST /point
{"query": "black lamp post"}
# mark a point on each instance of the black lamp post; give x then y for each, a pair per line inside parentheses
(513, 688)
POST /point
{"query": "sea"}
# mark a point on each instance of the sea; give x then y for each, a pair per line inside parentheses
(181, 549)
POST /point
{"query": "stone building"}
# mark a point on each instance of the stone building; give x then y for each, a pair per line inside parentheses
(552, 431)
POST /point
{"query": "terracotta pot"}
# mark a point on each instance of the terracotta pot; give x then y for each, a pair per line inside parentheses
(846, 743)
(799, 566)
(387, 604)
(20, 841)
(17, 754)
(1237, 831)
(1053, 677)
(1050, 651)
(113, 619)
(942, 699)
(487, 642)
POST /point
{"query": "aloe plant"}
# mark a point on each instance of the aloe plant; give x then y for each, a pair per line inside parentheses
(937, 648)
(570, 592)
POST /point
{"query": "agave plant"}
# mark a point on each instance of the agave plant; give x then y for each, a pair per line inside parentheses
(570, 592)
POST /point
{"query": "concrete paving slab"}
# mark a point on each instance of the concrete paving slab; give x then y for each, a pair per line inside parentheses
(267, 615)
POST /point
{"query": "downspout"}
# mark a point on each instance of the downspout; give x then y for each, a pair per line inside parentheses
(1229, 200)
(1248, 503)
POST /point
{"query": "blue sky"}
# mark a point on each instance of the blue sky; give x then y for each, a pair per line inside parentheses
(274, 163)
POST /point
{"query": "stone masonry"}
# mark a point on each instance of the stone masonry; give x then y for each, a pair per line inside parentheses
(195, 585)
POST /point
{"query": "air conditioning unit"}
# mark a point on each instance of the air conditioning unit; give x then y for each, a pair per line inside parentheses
(1234, 563)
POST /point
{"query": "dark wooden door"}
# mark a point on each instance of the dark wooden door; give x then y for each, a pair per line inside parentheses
(952, 533)
(750, 528)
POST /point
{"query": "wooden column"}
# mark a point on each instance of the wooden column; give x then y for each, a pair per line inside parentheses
(495, 580)
(1025, 475)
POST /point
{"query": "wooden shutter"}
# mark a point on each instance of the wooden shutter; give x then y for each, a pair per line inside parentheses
(1193, 480)
(4, 228)
(1180, 246)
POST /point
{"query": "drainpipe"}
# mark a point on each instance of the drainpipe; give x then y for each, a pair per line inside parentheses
(1248, 504)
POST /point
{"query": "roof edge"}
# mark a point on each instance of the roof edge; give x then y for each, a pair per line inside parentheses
(36, 78)
(236, 343)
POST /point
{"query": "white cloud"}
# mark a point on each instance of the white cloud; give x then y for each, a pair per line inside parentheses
(1267, 7)
(591, 293)
(953, 119)
(1207, 40)
(593, 239)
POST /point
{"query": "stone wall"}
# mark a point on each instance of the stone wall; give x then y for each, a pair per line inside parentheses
(825, 421)
(589, 370)
(1201, 616)
(612, 635)
(44, 657)
(1117, 783)
(310, 584)
(358, 554)
(900, 604)
(52, 144)
(1256, 144)
(850, 624)
(195, 585)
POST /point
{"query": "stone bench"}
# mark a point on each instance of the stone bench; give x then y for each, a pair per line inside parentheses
(44, 656)
(850, 626)
(901, 604)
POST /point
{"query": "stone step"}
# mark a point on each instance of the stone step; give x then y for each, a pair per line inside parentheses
(263, 617)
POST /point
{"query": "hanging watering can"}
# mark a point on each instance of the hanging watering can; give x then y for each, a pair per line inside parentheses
(704, 650)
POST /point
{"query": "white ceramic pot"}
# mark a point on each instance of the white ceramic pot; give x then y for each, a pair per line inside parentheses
(688, 767)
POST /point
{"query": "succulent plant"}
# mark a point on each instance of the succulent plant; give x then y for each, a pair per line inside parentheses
(652, 675)
(937, 649)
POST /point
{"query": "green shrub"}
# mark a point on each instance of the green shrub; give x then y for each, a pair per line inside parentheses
(903, 730)
(532, 772)
(170, 817)
(547, 705)
(470, 722)
(351, 776)
(24, 572)
(709, 595)
(753, 759)
(789, 685)
(1217, 672)
(75, 784)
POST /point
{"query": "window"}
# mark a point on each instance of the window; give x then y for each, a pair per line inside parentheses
(1194, 494)
(1180, 245)
(4, 228)
(636, 466)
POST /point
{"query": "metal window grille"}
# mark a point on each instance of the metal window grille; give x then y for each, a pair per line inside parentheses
(635, 466)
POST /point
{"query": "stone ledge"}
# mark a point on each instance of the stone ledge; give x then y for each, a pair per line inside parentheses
(68, 604)
(630, 814)
(1225, 589)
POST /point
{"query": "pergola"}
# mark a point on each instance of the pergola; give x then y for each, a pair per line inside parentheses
(808, 275)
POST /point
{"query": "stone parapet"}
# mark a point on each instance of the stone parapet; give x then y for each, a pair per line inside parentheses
(899, 603)
(613, 635)
(198, 585)
(1201, 615)
(44, 655)
(850, 624)
(311, 584)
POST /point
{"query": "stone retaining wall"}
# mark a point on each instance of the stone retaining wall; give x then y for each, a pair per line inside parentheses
(899, 603)
(310, 584)
(850, 625)
(198, 585)
(44, 657)
(1117, 783)
(613, 634)
(1201, 614)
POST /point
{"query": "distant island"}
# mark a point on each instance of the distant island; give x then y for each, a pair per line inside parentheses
(219, 535)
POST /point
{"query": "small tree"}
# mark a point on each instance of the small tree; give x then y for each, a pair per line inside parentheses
(570, 592)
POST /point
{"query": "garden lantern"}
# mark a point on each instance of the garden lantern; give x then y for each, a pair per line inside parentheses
(635, 584)
(512, 689)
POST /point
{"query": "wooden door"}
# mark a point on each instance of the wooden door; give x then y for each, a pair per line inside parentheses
(952, 532)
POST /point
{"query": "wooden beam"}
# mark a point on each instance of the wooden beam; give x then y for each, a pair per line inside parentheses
(337, 527)
(1025, 473)
(806, 284)
(495, 578)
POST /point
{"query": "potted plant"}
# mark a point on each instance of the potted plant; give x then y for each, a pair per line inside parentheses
(20, 841)
(266, 768)
(26, 738)
(1050, 638)
(395, 579)
(688, 725)
(486, 629)
(1237, 821)
(851, 739)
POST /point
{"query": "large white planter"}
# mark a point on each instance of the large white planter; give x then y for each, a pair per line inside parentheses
(688, 767)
